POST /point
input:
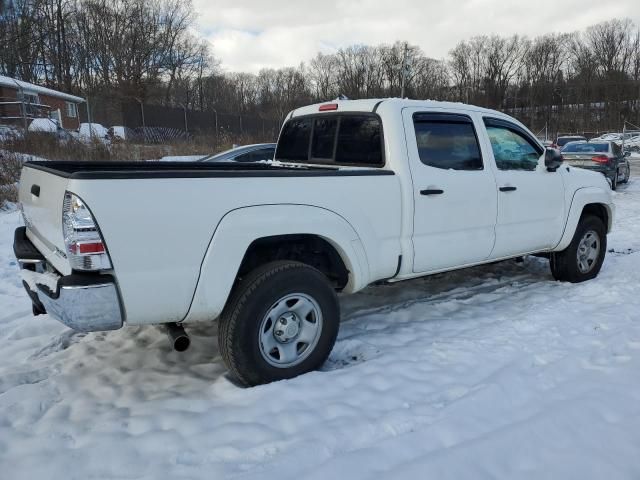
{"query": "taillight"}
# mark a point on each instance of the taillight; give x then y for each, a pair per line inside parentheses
(84, 244)
(600, 159)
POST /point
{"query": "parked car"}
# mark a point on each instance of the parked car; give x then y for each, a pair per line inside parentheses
(562, 141)
(43, 125)
(119, 133)
(633, 144)
(9, 132)
(46, 126)
(604, 157)
(362, 191)
(608, 137)
(246, 153)
(93, 132)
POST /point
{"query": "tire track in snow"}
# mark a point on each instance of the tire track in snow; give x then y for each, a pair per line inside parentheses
(351, 349)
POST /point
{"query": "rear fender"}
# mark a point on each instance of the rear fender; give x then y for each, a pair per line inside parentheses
(241, 227)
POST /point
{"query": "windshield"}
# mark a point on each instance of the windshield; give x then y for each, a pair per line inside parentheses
(586, 148)
(562, 141)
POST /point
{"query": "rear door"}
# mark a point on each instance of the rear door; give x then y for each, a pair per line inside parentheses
(455, 199)
(618, 155)
(530, 198)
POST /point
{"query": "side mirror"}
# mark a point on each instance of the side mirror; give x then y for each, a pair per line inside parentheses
(627, 153)
(552, 159)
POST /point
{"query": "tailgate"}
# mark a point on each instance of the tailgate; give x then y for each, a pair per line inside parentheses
(41, 195)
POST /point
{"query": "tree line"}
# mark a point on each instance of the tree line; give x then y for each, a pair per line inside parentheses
(146, 50)
(128, 48)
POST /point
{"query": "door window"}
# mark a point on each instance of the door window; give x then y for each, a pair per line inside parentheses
(512, 150)
(447, 142)
(617, 150)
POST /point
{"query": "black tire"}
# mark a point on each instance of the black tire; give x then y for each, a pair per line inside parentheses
(614, 181)
(250, 302)
(627, 174)
(565, 265)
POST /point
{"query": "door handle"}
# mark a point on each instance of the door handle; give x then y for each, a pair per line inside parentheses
(508, 189)
(431, 192)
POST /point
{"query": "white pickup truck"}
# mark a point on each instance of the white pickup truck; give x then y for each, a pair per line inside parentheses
(361, 191)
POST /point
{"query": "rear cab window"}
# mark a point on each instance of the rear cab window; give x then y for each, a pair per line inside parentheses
(349, 139)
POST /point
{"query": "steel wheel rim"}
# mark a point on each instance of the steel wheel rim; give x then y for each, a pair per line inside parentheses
(588, 251)
(290, 330)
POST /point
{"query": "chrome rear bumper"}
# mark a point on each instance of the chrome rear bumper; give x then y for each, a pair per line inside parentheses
(83, 302)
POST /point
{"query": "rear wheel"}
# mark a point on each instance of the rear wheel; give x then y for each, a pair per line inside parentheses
(281, 321)
(627, 173)
(583, 258)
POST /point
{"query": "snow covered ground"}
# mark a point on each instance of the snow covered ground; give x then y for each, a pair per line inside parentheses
(493, 372)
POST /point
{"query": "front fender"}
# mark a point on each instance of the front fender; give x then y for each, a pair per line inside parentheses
(239, 228)
(581, 198)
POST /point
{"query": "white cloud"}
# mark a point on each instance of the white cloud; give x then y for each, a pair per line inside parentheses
(250, 35)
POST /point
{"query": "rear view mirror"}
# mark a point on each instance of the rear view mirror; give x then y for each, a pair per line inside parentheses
(552, 159)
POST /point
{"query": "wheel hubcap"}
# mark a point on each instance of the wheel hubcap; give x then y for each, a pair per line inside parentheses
(290, 330)
(287, 327)
(588, 251)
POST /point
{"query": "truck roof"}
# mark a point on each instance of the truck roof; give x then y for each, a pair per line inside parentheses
(371, 104)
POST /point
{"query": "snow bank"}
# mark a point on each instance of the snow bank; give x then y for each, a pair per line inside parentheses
(493, 372)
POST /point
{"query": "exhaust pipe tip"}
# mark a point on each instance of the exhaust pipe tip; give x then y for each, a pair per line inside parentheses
(179, 339)
(182, 343)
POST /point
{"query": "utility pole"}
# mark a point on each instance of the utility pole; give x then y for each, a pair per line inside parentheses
(215, 112)
(89, 117)
(186, 126)
(139, 100)
(405, 68)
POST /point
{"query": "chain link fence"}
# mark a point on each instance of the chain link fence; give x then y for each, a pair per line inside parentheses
(160, 124)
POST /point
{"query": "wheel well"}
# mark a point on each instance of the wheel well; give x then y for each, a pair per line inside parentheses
(597, 210)
(309, 249)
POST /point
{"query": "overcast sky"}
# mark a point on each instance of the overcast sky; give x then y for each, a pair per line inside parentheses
(248, 35)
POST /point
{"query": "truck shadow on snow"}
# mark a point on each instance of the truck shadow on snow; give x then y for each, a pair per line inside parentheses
(144, 353)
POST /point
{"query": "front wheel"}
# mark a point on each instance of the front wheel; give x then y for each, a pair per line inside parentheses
(583, 258)
(281, 321)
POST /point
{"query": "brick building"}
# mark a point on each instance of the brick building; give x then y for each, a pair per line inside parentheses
(21, 102)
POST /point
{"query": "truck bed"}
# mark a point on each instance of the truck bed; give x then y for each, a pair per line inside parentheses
(158, 219)
(87, 170)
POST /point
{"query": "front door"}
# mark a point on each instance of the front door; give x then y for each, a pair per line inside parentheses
(454, 191)
(530, 198)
